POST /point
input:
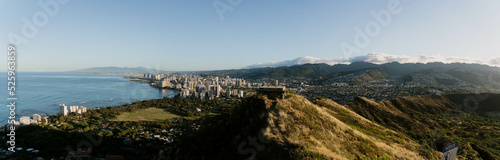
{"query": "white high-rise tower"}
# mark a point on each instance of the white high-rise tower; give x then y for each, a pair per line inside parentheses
(63, 109)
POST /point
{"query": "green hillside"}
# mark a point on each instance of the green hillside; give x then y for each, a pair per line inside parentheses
(294, 128)
(438, 120)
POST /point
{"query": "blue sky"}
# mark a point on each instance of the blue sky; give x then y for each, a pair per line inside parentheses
(180, 35)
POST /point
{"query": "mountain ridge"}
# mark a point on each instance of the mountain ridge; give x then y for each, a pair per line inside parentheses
(377, 58)
(292, 128)
(321, 69)
(296, 128)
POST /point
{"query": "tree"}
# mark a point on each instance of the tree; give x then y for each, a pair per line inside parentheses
(84, 123)
(162, 126)
(67, 127)
(105, 133)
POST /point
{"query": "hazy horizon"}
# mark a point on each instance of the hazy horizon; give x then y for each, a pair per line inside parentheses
(55, 36)
(375, 58)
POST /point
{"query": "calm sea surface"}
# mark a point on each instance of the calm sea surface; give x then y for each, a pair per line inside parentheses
(40, 93)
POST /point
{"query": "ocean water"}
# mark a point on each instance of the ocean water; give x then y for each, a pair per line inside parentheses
(41, 93)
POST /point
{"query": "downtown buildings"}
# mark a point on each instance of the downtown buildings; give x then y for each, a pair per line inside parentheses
(195, 86)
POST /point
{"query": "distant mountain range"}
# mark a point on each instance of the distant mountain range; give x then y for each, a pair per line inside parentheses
(297, 61)
(474, 77)
(321, 70)
(118, 70)
(376, 58)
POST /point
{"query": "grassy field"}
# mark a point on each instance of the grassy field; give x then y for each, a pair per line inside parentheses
(150, 114)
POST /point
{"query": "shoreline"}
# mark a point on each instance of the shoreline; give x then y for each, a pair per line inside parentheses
(92, 104)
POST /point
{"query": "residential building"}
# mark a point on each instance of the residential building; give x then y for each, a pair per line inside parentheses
(37, 117)
(235, 92)
(165, 83)
(83, 109)
(24, 120)
(63, 109)
(73, 109)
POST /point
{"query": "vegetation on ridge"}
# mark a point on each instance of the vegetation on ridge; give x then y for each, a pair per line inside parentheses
(292, 128)
(435, 121)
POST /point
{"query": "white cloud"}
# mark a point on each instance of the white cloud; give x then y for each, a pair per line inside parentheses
(495, 61)
(451, 59)
(377, 58)
(381, 58)
(299, 61)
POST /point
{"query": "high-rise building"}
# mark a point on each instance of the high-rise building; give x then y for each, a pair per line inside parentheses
(192, 85)
(73, 109)
(210, 94)
(165, 83)
(235, 92)
(158, 77)
(228, 92)
(208, 82)
(202, 95)
(178, 86)
(197, 88)
(238, 82)
(184, 93)
(217, 90)
(24, 120)
(37, 118)
(83, 109)
(63, 109)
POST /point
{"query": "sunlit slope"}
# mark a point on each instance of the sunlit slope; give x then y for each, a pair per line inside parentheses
(333, 131)
(293, 128)
(438, 120)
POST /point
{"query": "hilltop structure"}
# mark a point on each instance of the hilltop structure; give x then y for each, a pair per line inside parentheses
(273, 91)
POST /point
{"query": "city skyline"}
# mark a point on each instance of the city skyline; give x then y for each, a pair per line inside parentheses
(214, 35)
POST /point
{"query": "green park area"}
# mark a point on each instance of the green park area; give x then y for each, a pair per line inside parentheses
(149, 114)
